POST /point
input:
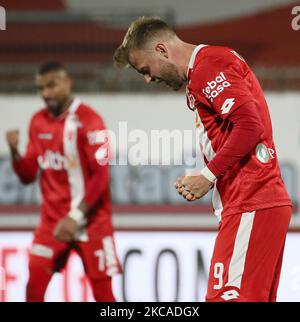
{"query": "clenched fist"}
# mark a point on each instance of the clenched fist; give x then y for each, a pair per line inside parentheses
(193, 187)
(65, 229)
(12, 138)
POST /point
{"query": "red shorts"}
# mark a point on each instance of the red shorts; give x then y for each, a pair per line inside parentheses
(98, 255)
(247, 257)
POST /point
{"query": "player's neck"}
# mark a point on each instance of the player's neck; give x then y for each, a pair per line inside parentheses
(184, 58)
(64, 107)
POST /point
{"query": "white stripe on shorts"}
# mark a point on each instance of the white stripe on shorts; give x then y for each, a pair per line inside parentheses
(237, 262)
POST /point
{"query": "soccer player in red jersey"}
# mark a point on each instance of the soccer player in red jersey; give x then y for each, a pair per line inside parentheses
(67, 144)
(249, 196)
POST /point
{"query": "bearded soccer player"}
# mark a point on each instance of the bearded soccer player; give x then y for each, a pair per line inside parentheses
(249, 196)
(66, 144)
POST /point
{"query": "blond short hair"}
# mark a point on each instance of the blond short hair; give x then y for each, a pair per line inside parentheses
(138, 35)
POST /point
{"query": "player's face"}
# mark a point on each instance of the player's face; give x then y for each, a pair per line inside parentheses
(156, 68)
(55, 89)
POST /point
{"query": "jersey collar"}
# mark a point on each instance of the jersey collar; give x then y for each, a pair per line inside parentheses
(74, 105)
(71, 109)
(193, 57)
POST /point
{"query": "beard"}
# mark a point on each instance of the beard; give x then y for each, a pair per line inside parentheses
(170, 75)
(54, 106)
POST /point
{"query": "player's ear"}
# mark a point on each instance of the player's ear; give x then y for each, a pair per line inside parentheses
(69, 83)
(161, 49)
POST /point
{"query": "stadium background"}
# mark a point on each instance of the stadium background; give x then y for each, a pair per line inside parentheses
(163, 243)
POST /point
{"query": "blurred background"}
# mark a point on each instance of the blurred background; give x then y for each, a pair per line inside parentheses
(170, 240)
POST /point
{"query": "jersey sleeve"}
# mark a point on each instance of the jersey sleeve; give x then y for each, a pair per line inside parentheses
(27, 167)
(246, 133)
(221, 81)
(97, 151)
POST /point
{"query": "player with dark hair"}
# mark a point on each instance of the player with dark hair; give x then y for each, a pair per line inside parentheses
(249, 196)
(67, 144)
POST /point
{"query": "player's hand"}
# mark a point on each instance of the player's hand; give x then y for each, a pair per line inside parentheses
(12, 138)
(178, 185)
(66, 229)
(193, 187)
(181, 189)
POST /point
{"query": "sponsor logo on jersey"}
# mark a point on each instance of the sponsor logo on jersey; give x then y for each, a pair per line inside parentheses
(215, 87)
(71, 136)
(263, 153)
(230, 295)
(56, 161)
(191, 100)
(227, 105)
(45, 136)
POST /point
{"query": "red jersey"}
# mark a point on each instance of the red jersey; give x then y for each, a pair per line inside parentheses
(65, 149)
(220, 82)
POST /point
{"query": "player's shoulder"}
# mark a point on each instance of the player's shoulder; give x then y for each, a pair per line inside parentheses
(210, 57)
(215, 51)
(86, 112)
(88, 115)
(39, 115)
(213, 61)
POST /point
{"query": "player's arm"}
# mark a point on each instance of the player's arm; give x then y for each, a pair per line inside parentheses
(236, 104)
(97, 184)
(96, 150)
(26, 167)
(247, 129)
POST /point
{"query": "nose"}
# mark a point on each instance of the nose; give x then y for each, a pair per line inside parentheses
(46, 93)
(147, 78)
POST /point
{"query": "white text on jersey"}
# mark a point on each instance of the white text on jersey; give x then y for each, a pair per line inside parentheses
(215, 87)
(55, 161)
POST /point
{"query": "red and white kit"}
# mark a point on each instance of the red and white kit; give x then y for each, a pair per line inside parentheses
(231, 116)
(69, 150)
